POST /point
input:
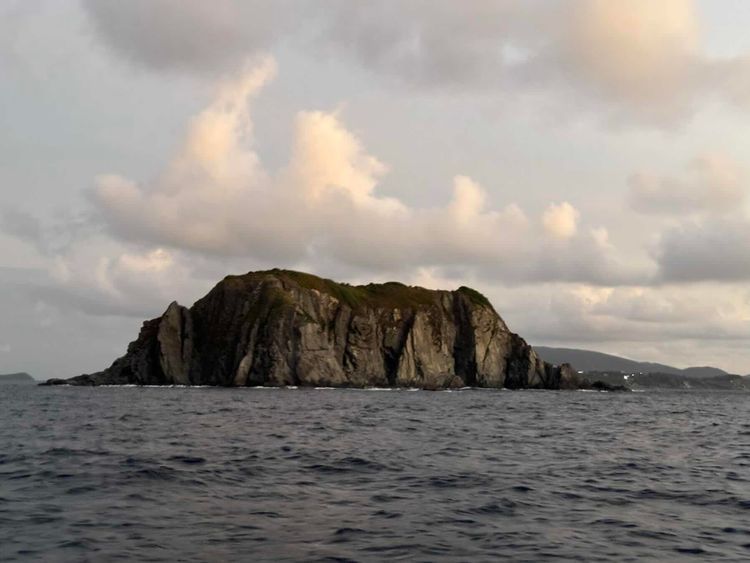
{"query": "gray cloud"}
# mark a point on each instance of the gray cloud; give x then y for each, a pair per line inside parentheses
(45, 340)
(421, 41)
(190, 35)
(22, 225)
(50, 237)
(704, 251)
(434, 43)
(652, 69)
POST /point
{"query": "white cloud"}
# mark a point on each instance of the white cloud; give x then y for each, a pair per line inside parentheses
(561, 220)
(216, 197)
(601, 237)
(640, 54)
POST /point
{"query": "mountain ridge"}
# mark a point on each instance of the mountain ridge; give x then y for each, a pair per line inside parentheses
(590, 360)
(19, 377)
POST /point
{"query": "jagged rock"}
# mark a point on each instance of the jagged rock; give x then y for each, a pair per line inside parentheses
(603, 386)
(289, 328)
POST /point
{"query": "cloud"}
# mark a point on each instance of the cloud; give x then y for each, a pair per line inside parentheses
(561, 220)
(639, 60)
(711, 184)
(408, 38)
(48, 238)
(51, 336)
(707, 228)
(22, 225)
(215, 197)
(190, 35)
(102, 277)
(638, 54)
(705, 250)
(679, 325)
(435, 43)
(601, 237)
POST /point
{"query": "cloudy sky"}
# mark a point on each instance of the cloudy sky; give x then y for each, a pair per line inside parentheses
(582, 162)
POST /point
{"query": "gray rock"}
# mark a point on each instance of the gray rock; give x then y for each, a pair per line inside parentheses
(175, 344)
(280, 328)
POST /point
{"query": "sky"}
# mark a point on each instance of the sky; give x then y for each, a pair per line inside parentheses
(581, 162)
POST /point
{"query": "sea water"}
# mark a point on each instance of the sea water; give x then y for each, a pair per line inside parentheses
(205, 474)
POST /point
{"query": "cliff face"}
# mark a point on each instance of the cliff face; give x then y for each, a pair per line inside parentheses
(288, 328)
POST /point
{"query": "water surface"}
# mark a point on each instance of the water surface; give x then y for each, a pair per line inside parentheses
(202, 474)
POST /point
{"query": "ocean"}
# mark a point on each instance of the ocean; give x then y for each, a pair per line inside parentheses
(208, 474)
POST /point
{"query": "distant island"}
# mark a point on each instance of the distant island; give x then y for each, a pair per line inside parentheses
(286, 328)
(633, 374)
(21, 377)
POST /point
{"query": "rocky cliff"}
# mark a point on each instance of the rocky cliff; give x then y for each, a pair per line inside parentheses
(280, 328)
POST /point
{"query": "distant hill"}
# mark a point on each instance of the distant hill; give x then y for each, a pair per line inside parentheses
(16, 378)
(654, 380)
(704, 371)
(587, 360)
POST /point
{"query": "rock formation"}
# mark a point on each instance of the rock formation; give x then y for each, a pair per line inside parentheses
(279, 327)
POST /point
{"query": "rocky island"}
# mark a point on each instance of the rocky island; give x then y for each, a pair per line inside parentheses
(15, 378)
(285, 328)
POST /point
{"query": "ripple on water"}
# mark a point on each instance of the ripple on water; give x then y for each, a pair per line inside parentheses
(350, 475)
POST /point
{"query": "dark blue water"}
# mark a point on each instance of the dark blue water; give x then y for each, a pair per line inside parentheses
(149, 474)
